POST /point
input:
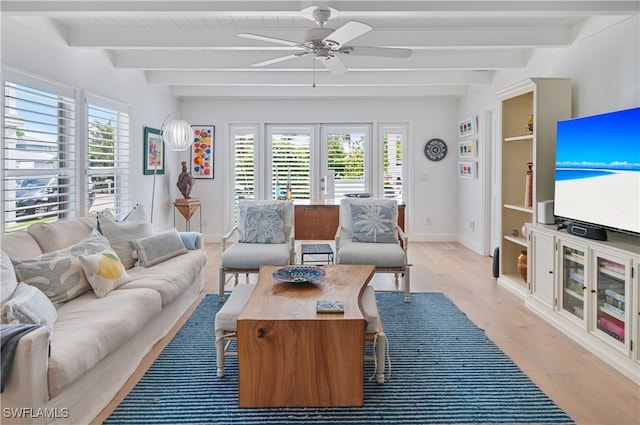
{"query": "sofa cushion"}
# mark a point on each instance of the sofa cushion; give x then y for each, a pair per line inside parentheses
(135, 225)
(89, 328)
(61, 233)
(378, 254)
(158, 247)
(29, 305)
(189, 239)
(170, 278)
(261, 223)
(104, 271)
(8, 282)
(59, 273)
(372, 223)
(252, 255)
(20, 245)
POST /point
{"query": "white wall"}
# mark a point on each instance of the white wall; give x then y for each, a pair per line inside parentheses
(605, 73)
(430, 201)
(604, 69)
(29, 51)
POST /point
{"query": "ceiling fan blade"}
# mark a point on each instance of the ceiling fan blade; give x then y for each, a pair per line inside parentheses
(276, 60)
(346, 33)
(269, 39)
(333, 64)
(388, 52)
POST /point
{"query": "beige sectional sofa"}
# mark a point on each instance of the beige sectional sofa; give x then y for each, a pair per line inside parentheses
(69, 375)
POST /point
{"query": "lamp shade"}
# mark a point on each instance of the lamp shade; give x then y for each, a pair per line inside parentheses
(177, 135)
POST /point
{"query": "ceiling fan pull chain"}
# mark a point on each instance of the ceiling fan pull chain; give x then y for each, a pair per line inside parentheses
(313, 70)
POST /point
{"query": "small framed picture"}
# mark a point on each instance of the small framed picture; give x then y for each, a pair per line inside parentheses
(468, 148)
(467, 127)
(467, 169)
(153, 152)
(202, 151)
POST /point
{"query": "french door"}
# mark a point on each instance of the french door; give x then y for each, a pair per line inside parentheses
(317, 161)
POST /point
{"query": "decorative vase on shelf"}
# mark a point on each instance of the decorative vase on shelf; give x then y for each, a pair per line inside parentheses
(530, 125)
(522, 264)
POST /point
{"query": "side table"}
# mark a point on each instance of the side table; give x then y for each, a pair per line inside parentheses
(316, 249)
(187, 207)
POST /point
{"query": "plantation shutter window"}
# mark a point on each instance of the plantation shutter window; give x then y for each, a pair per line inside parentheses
(40, 168)
(107, 156)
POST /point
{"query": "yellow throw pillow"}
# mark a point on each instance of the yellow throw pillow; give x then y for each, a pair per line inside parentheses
(104, 271)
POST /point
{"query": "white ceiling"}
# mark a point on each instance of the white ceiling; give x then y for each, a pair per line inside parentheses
(192, 46)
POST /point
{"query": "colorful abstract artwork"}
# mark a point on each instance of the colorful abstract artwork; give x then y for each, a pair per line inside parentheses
(202, 151)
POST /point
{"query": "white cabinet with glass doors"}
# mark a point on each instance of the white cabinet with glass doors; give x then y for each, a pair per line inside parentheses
(595, 283)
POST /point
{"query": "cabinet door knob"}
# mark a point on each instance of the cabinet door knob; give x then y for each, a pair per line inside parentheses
(593, 291)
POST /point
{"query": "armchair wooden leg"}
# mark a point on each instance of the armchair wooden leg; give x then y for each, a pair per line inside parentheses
(381, 350)
(220, 353)
(407, 285)
(221, 280)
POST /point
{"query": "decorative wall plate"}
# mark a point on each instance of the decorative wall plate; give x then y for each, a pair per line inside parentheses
(435, 149)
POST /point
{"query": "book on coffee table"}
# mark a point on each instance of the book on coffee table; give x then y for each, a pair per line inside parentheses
(328, 306)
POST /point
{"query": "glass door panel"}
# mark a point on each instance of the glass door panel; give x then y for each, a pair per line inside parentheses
(573, 283)
(611, 296)
(345, 158)
(290, 163)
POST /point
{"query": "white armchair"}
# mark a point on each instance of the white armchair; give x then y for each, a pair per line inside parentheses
(368, 233)
(263, 235)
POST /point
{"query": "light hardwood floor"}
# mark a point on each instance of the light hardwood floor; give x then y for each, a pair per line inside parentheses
(590, 391)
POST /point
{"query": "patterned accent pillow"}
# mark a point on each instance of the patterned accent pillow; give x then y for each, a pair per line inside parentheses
(105, 272)
(372, 223)
(8, 282)
(59, 273)
(261, 223)
(29, 305)
(135, 225)
(158, 247)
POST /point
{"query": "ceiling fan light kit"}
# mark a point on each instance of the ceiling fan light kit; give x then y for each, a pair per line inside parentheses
(326, 44)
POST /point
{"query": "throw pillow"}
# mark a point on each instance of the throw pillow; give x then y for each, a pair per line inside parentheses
(136, 225)
(189, 239)
(59, 273)
(261, 223)
(105, 272)
(8, 282)
(372, 223)
(29, 305)
(158, 247)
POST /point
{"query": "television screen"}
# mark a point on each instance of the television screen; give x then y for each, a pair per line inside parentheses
(598, 170)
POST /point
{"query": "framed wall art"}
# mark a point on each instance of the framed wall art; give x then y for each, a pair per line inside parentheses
(202, 151)
(467, 169)
(467, 127)
(468, 148)
(153, 152)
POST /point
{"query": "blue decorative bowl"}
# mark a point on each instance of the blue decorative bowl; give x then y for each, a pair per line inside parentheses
(299, 274)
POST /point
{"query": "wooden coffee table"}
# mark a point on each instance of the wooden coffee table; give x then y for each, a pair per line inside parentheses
(290, 355)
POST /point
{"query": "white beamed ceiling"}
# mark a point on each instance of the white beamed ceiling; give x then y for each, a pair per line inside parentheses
(192, 47)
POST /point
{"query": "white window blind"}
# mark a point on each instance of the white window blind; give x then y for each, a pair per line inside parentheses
(39, 167)
(392, 159)
(108, 152)
(244, 154)
(291, 164)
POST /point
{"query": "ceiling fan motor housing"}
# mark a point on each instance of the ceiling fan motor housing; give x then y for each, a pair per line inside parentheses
(313, 37)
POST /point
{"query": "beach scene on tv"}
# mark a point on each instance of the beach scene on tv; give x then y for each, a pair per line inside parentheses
(598, 170)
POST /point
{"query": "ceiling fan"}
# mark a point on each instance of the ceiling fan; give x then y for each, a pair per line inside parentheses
(326, 44)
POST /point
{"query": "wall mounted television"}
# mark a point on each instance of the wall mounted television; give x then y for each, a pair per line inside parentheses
(597, 179)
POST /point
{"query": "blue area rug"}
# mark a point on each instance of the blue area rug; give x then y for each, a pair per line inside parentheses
(444, 371)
